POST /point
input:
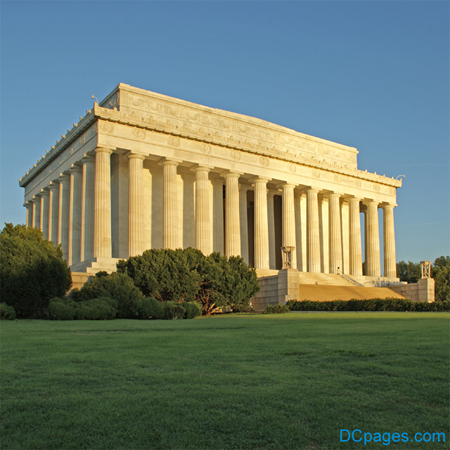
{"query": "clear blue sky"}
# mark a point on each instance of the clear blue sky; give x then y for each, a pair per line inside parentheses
(373, 75)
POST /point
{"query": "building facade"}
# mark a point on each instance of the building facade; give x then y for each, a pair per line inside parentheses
(143, 170)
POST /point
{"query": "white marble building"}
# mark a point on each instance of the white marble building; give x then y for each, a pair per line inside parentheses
(143, 170)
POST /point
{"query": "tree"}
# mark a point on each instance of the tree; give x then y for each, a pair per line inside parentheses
(440, 271)
(409, 272)
(187, 275)
(32, 270)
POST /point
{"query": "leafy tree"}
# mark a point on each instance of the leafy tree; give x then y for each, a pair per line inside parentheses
(187, 275)
(167, 275)
(440, 271)
(409, 272)
(32, 270)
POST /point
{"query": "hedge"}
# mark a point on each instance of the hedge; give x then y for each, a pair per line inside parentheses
(7, 312)
(376, 304)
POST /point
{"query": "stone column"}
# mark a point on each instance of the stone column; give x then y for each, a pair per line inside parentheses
(232, 223)
(203, 225)
(36, 211)
(243, 215)
(271, 224)
(262, 260)
(29, 220)
(373, 240)
(335, 233)
(289, 238)
(74, 215)
(355, 238)
(44, 212)
(53, 208)
(313, 230)
(64, 213)
(102, 203)
(390, 268)
(135, 204)
(87, 208)
(170, 214)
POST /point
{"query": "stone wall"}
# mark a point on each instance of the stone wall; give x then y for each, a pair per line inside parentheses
(422, 291)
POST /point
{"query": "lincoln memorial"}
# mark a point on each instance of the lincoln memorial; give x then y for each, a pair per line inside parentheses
(143, 170)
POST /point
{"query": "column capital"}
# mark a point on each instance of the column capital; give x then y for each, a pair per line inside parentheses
(132, 155)
(260, 180)
(103, 150)
(312, 189)
(367, 201)
(63, 177)
(88, 158)
(244, 187)
(231, 174)
(201, 168)
(335, 194)
(169, 162)
(45, 191)
(386, 205)
(28, 203)
(286, 185)
(36, 198)
(54, 185)
(75, 168)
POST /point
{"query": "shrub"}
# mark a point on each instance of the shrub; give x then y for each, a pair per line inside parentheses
(7, 312)
(173, 310)
(376, 304)
(103, 308)
(193, 309)
(151, 309)
(118, 286)
(62, 309)
(276, 309)
(32, 270)
(187, 275)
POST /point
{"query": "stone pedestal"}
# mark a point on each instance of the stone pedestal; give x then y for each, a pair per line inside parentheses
(288, 285)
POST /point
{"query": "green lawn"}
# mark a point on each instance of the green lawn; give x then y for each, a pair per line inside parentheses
(289, 381)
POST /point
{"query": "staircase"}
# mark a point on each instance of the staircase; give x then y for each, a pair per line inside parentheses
(329, 286)
(323, 279)
(327, 293)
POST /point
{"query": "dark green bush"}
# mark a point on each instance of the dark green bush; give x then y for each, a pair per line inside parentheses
(118, 286)
(173, 310)
(376, 304)
(276, 309)
(96, 309)
(193, 309)
(32, 270)
(152, 309)
(7, 312)
(62, 309)
(103, 308)
(187, 275)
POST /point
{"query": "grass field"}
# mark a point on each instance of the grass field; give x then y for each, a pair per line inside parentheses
(289, 381)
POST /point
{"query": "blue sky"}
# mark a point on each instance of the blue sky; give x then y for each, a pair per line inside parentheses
(373, 75)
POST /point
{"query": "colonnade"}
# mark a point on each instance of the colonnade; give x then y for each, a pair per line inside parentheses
(75, 211)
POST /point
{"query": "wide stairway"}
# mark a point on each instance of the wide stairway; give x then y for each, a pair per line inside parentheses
(326, 287)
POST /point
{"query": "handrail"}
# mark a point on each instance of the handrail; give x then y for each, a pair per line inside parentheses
(346, 277)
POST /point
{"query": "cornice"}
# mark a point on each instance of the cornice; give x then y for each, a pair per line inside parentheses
(128, 120)
(74, 133)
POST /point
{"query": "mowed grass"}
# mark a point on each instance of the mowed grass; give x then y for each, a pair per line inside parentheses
(289, 381)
